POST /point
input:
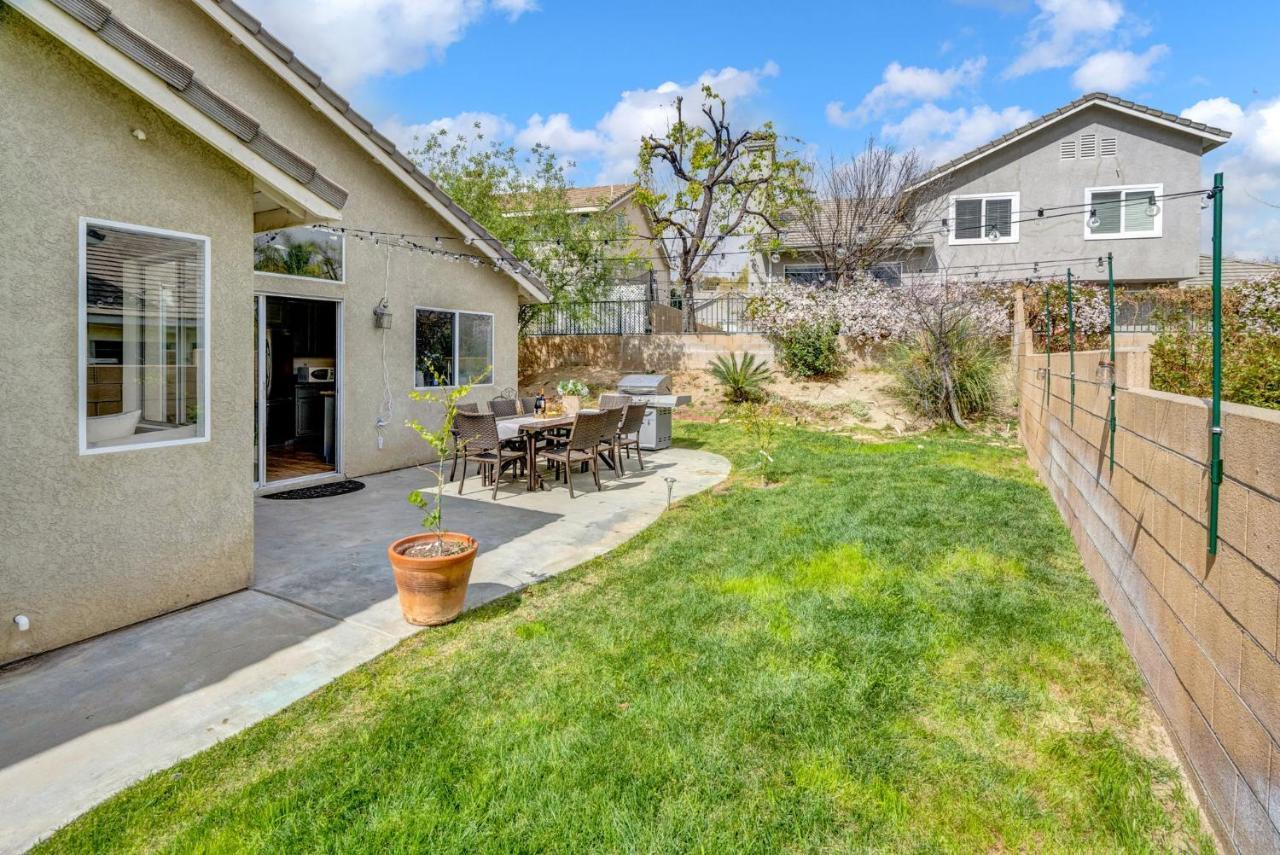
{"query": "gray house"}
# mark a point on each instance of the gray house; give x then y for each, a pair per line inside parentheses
(1099, 175)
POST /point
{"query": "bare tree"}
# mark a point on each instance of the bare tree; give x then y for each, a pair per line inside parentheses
(719, 184)
(860, 211)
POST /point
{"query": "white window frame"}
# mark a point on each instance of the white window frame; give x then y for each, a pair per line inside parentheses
(455, 312)
(1015, 207)
(1158, 189)
(205, 423)
(342, 242)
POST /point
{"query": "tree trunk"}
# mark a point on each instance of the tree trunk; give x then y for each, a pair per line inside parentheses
(690, 319)
(949, 392)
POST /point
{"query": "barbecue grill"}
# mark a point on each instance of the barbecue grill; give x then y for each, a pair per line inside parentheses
(654, 391)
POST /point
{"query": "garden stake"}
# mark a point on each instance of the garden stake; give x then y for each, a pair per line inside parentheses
(1048, 348)
(1111, 413)
(1071, 344)
(1215, 431)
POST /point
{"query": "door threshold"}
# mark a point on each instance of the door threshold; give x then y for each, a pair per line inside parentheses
(300, 481)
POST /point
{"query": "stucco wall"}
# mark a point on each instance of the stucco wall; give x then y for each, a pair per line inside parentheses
(1202, 629)
(91, 543)
(378, 201)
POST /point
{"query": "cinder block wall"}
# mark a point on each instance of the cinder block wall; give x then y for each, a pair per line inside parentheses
(1203, 632)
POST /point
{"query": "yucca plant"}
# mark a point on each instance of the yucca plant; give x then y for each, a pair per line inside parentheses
(741, 380)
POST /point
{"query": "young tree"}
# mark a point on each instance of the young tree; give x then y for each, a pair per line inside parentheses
(523, 201)
(865, 210)
(701, 184)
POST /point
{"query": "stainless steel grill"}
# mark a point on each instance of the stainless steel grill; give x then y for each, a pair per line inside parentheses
(654, 391)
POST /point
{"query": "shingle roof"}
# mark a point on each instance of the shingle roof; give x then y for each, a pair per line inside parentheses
(343, 106)
(182, 79)
(1234, 270)
(1098, 98)
(796, 235)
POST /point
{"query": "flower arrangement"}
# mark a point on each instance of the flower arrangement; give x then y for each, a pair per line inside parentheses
(571, 387)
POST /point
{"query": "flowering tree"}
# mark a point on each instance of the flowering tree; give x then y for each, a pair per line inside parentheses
(1090, 309)
(1259, 305)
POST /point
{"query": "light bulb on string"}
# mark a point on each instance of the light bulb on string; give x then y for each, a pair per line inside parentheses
(993, 234)
(841, 252)
(775, 257)
(1152, 208)
(1101, 265)
(1094, 219)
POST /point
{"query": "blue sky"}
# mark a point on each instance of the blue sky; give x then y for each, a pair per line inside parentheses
(589, 78)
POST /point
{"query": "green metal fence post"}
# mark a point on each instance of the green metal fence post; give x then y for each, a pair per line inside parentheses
(1048, 347)
(1215, 430)
(1111, 412)
(1071, 343)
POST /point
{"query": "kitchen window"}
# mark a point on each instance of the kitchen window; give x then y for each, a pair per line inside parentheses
(144, 337)
(452, 348)
(1123, 212)
(984, 218)
(307, 252)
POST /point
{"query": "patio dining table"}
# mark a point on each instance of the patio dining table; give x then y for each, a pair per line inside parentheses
(531, 429)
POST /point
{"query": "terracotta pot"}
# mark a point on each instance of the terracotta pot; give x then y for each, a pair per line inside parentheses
(432, 590)
(571, 404)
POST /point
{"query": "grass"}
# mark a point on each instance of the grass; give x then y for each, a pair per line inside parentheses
(895, 648)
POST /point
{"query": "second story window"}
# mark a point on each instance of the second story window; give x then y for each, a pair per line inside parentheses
(1123, 212)
(305, 251)
(984, 218)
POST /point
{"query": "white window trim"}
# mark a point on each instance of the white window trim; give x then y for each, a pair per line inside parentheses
(342, 237)
(1122, 234)
(1014, 213)
(82, 340)
(455, 313)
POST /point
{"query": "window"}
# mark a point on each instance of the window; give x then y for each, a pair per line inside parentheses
(144, 333)
(1123, 212)
(452, 348)
(1067, 150)
(806, 274)
(986, 218)
(1088, 145)
(1110, 147)
(310, 252)
(888, 272)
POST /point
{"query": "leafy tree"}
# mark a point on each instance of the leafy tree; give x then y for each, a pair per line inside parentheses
(523, 200)
(702, 184)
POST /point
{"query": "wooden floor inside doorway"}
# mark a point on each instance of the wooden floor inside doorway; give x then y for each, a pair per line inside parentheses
(284, 463)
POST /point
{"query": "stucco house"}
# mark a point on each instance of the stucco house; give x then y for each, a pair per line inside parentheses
(1100, 174)
(215, 277)
(619, 201)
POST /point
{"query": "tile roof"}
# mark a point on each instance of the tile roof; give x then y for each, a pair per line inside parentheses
(343, 106)
(1101, 99)
(182, 79)
(602, 197)
(1234, 270)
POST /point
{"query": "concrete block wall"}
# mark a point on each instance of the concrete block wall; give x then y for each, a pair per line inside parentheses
(1202, 629)
(637, 353)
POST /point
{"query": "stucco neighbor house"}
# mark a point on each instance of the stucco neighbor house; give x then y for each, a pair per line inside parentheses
(1097, 175)
(204, 291)
(619, 200)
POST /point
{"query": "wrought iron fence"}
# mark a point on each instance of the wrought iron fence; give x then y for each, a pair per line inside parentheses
(724, 314)
(1147, 311)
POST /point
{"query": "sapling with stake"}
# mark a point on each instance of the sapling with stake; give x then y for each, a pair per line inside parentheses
(760, 424)
(439, 439)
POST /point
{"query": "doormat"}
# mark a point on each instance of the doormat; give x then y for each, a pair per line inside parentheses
(320, 491)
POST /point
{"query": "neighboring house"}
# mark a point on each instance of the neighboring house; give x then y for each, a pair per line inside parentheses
(1079, 182)
(154, 154)
(619, 200)
(1234, 271)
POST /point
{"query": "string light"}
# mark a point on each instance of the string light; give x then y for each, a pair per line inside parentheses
(1094, 219)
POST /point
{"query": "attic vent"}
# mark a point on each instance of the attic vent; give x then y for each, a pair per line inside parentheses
(1088, 145)
(1109, 147)
(1067, 149)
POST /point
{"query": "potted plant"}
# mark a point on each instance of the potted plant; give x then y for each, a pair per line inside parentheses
(432, 568)
(571, 394)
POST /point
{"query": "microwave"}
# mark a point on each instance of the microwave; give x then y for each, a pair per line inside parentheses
(309, 374)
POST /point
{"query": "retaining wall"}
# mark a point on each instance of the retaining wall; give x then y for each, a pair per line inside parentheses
(637, 353)
(1203, 629)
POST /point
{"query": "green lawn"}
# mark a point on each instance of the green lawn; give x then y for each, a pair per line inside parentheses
(894, 649)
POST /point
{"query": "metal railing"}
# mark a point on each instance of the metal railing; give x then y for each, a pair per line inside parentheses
(727, 314)
(1144, 311)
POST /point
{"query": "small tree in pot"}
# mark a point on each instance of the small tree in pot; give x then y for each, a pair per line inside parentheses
(432, 568)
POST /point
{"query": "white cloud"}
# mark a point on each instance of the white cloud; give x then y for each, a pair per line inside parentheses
(1117, 70)
(1063, 32)
(465, 125)
(349, 41)
(557, 132)
(1250, 163)
(901, 85)
(940, 134)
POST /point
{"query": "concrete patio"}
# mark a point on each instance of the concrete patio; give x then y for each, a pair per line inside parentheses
(85, 721)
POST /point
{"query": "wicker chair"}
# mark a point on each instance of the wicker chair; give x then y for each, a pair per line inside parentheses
(609, 439)
(582, 447)
(527, 405)
(628, 435)
(614, 400)
(461, 408)
(502, 407)
(478, 437)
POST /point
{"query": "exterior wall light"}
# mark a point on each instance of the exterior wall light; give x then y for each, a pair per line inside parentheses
(382, 316)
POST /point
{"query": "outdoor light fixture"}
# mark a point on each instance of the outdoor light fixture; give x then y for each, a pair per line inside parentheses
(1152, 208)
(1101, 265)
(993, 234)
(382, 316)
(1094, 219)
(775, 258)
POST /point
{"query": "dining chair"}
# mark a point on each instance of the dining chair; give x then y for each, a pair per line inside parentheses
(527, 405)
(461, 408)
(478, 437)
(582, 446)
(502, 407)
(628, 435)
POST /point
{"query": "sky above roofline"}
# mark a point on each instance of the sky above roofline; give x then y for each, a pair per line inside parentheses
(589, 79)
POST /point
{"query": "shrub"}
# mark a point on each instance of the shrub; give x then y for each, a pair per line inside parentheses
(810, 350)
(1182, 362)
(741, 381)
(972, 363)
